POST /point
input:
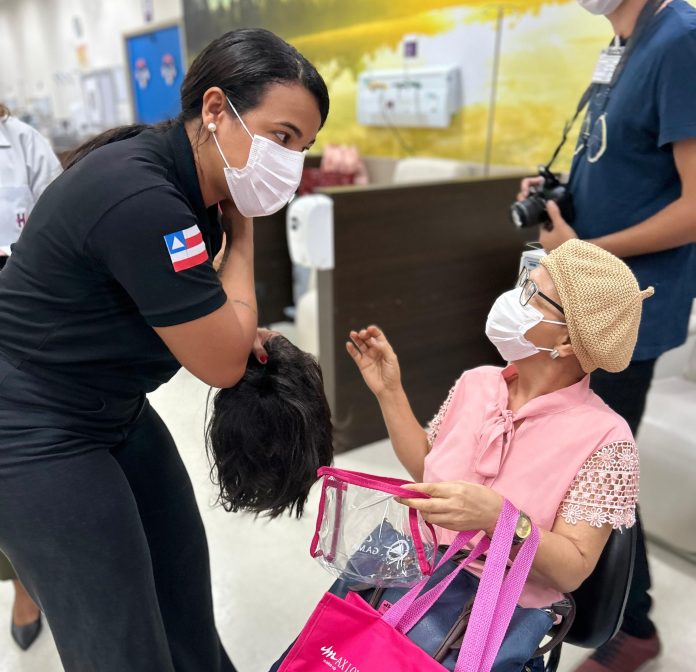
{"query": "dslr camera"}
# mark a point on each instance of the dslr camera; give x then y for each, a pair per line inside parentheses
(532, 210)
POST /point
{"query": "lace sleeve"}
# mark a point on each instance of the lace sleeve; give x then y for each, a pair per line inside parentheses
(605, 490)
(436, 422)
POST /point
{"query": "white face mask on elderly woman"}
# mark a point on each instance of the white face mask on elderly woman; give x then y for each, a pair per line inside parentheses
(600, 7)
(268, 180)
(508, 322)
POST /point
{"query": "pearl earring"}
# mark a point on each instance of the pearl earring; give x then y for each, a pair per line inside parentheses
(212, 127)
(554, 354)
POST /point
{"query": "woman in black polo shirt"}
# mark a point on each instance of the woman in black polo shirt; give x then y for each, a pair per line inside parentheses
(109, 290)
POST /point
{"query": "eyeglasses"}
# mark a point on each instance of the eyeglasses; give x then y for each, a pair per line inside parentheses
(529, 289)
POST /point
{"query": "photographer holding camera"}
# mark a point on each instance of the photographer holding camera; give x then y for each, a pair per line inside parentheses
(632, 191)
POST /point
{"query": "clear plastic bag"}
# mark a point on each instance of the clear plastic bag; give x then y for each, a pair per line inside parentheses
(364, 535)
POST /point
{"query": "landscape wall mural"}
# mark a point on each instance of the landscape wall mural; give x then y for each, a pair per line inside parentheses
(548, 49)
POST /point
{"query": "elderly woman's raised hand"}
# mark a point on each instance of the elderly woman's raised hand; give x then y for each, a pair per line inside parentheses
(375, 359)
(457, 505)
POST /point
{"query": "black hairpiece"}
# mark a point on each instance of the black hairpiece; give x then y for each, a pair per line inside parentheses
(268, 435)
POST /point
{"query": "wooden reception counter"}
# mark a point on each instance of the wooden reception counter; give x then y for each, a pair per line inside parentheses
(424, 262)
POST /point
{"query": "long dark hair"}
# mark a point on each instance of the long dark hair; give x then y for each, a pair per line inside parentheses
(268, 435)
(243, 63)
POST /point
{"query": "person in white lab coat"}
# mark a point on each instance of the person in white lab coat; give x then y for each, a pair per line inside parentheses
(27, 166)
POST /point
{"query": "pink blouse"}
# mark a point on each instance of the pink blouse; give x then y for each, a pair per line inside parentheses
(562, 454)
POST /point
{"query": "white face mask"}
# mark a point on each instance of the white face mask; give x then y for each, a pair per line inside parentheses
(268, 180)
(600, 7)
(507, 324)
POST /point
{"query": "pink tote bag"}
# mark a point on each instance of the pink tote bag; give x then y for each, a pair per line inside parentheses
(348, 635)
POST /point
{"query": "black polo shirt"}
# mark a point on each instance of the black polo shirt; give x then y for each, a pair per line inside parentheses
(118, 244)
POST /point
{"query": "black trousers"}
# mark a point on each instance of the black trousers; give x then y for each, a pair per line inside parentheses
(109, 541)
(626, 393)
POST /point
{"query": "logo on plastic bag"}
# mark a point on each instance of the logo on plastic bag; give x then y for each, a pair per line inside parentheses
(398, 552)
(395, 553)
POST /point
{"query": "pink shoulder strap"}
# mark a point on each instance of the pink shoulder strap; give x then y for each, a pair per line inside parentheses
(496, 597)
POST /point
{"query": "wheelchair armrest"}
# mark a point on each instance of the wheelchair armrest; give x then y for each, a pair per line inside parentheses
(601, 599)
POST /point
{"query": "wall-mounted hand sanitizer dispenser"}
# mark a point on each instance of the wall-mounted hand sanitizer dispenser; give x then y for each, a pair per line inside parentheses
(310, 231)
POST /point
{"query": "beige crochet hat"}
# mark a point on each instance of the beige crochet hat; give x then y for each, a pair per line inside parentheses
(602, 303)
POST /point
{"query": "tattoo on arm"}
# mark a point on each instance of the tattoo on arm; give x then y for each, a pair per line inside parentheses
(246, 305)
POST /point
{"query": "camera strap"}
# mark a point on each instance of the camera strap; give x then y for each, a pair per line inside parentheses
(644, 19)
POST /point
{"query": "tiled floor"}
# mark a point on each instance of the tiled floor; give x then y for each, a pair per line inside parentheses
(265, 583)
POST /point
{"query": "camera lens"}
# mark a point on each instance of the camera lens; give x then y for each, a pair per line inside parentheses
(529, 212)
(517, 215)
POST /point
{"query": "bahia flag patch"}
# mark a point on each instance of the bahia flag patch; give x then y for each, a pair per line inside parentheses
(186, 248)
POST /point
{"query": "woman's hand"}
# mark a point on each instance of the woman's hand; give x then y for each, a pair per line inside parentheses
(262, 337)
(221, 256)
(457, 505)
(233, 221)
(234, 227)
(375, 360)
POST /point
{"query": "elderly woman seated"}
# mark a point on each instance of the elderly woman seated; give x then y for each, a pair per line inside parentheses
(533, 431)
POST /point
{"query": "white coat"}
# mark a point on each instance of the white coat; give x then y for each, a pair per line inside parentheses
(27, 166)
